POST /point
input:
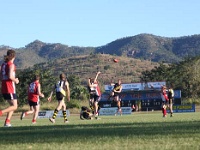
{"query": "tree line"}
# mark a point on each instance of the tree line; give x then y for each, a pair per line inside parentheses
(184, 76)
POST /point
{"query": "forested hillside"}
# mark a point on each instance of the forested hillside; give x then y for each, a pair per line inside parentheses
(143, 46)
(85, 66)
(156, 48)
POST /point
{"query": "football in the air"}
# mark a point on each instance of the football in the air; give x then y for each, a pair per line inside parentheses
(115, 60)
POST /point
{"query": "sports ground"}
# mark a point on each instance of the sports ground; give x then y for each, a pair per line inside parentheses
(147, 130)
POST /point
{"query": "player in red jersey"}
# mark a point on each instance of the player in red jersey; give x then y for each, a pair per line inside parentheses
(165, 100)
(8, 81)
(34, 92)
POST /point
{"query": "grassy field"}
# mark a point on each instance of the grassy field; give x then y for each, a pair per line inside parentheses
(137, 131)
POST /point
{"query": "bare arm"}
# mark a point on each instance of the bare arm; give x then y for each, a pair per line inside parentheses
(11, 76)
(119, 90)
(95, 79)
(89, 83)
(67, 90)
(39, 91)
(49, 98)
(112, 84)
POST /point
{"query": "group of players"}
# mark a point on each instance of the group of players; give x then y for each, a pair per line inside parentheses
(167, 96)
(8, 89)
(95, 95)
(9, 80)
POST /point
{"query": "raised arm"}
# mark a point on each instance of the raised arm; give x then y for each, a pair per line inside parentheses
(89, 82)
(95, 79)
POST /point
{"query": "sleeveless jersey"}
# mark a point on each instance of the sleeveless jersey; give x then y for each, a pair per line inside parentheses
(170, 93)
(164, 96)
(96, 89)
(8, 86)
(33, 92)
(60, 89)
(117, 87)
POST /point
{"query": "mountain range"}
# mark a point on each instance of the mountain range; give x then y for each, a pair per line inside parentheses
(143, 46)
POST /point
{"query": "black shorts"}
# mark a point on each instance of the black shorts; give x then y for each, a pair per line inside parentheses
(116, 98)
(165, 102)
(171, 100)
(91, 96)
(10, 96)
(60, 99)
(33, 103)
(96, 98)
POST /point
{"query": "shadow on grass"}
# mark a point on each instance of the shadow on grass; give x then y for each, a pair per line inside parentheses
(71, 133)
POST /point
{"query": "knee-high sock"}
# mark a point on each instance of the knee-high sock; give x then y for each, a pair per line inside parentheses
(164, 111)
(55, 113)
(64, 115)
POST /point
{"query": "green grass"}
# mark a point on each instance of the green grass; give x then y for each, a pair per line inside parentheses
(137, 131)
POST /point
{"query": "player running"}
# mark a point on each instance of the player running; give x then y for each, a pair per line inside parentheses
(62, 91)
(34, 92)
(8, 88)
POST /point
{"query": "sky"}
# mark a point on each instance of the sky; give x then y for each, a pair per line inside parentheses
(94, 22)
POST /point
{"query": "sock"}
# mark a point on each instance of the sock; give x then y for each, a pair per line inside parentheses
(33, 120)
(55, 113)
(64, 115)
(7, 121)
(1, 113)
(164, 111)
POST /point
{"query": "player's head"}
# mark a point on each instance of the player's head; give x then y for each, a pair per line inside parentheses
(119, 81)
(91, 80)
(10, 55)
(171, 86)
(163, 87)
(37, 77)
(62, 76)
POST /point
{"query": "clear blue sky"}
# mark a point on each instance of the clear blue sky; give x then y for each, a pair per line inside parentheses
(94, 22)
